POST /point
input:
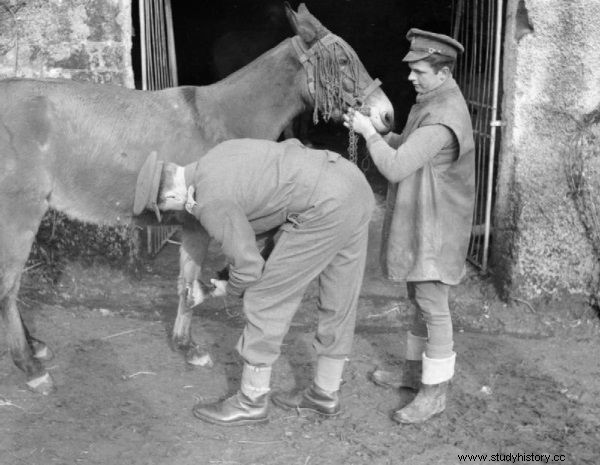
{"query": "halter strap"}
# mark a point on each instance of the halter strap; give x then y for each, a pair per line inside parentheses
(371, 88)
(305, 55)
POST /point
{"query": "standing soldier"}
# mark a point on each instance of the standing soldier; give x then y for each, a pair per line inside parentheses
(431, 172)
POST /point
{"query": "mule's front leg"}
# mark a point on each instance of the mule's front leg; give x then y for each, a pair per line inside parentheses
(191, 293)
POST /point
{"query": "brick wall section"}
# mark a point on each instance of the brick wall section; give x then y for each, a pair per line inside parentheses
(551, 75)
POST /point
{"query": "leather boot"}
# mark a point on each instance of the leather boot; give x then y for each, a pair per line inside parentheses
(408, 378)
(236, 410)
(313, 399)
(431, 398)
(430, 401)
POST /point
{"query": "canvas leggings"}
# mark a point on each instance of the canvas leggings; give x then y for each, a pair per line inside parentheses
(329, 242)
(432, 317)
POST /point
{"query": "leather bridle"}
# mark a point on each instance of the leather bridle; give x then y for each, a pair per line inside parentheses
(308, 56)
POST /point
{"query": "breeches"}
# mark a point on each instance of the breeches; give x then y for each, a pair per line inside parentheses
(432, 316)
(329, 242)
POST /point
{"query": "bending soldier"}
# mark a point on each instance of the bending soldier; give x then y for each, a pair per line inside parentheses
(321, 205)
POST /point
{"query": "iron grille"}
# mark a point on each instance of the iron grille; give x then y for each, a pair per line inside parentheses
(478, 25)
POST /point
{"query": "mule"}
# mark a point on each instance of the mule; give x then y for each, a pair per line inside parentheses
(78, 148)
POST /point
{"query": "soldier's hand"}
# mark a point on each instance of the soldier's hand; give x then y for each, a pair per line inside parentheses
(194, 293)
(358, 122)
(220, 288)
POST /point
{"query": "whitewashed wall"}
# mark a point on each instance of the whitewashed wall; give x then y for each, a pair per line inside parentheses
(551, 80)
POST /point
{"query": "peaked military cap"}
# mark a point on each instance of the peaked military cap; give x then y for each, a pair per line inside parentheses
(424, 44)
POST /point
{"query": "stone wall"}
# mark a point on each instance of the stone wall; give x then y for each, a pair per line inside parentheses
(541, 246)
(85, 40)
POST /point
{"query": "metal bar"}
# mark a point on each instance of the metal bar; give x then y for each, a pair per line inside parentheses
(457, 18)
(148, 239)
(162, 69)
(171, 44)
(149, 41)
(488, 205)
(481, 72)
(152, 20)
(164, 47)
(158, 45)
(142, 21)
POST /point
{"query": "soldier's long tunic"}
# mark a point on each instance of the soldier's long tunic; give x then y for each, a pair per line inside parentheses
(322, 204)
(429, 213)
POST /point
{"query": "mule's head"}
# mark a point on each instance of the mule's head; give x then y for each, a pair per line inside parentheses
(336, 78)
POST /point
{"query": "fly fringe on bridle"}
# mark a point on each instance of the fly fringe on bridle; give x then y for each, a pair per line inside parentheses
(326, 81)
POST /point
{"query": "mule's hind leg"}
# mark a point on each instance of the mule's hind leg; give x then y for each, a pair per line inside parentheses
(191, 293)
(14, 250)
(40, 350)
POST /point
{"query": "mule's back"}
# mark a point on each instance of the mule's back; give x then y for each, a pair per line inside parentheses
(81, 145)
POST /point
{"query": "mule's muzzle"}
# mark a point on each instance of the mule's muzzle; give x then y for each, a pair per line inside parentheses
(387, 118)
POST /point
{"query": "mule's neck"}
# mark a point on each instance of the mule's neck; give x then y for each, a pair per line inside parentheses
(263, 97)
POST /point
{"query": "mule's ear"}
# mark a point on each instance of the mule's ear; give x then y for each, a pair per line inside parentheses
(292, 17)
(305, 24)
(302, 9)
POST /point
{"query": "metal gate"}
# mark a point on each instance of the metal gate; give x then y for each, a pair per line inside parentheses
(478, 25)
(159, 70)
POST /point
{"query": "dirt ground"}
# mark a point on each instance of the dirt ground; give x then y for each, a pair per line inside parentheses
(527, 379)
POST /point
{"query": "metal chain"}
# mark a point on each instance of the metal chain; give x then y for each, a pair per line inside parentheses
(353, 140)
(352, 146)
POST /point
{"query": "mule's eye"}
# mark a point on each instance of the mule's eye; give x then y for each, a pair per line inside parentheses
(343, 61)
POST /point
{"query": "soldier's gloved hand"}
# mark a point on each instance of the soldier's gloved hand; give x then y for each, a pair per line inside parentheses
(220, 288)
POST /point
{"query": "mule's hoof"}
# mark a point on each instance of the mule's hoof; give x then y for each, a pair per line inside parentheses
(43, 385)
(195, 357)
(43, 352)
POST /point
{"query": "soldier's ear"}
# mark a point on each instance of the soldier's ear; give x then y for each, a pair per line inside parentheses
(444, 73)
